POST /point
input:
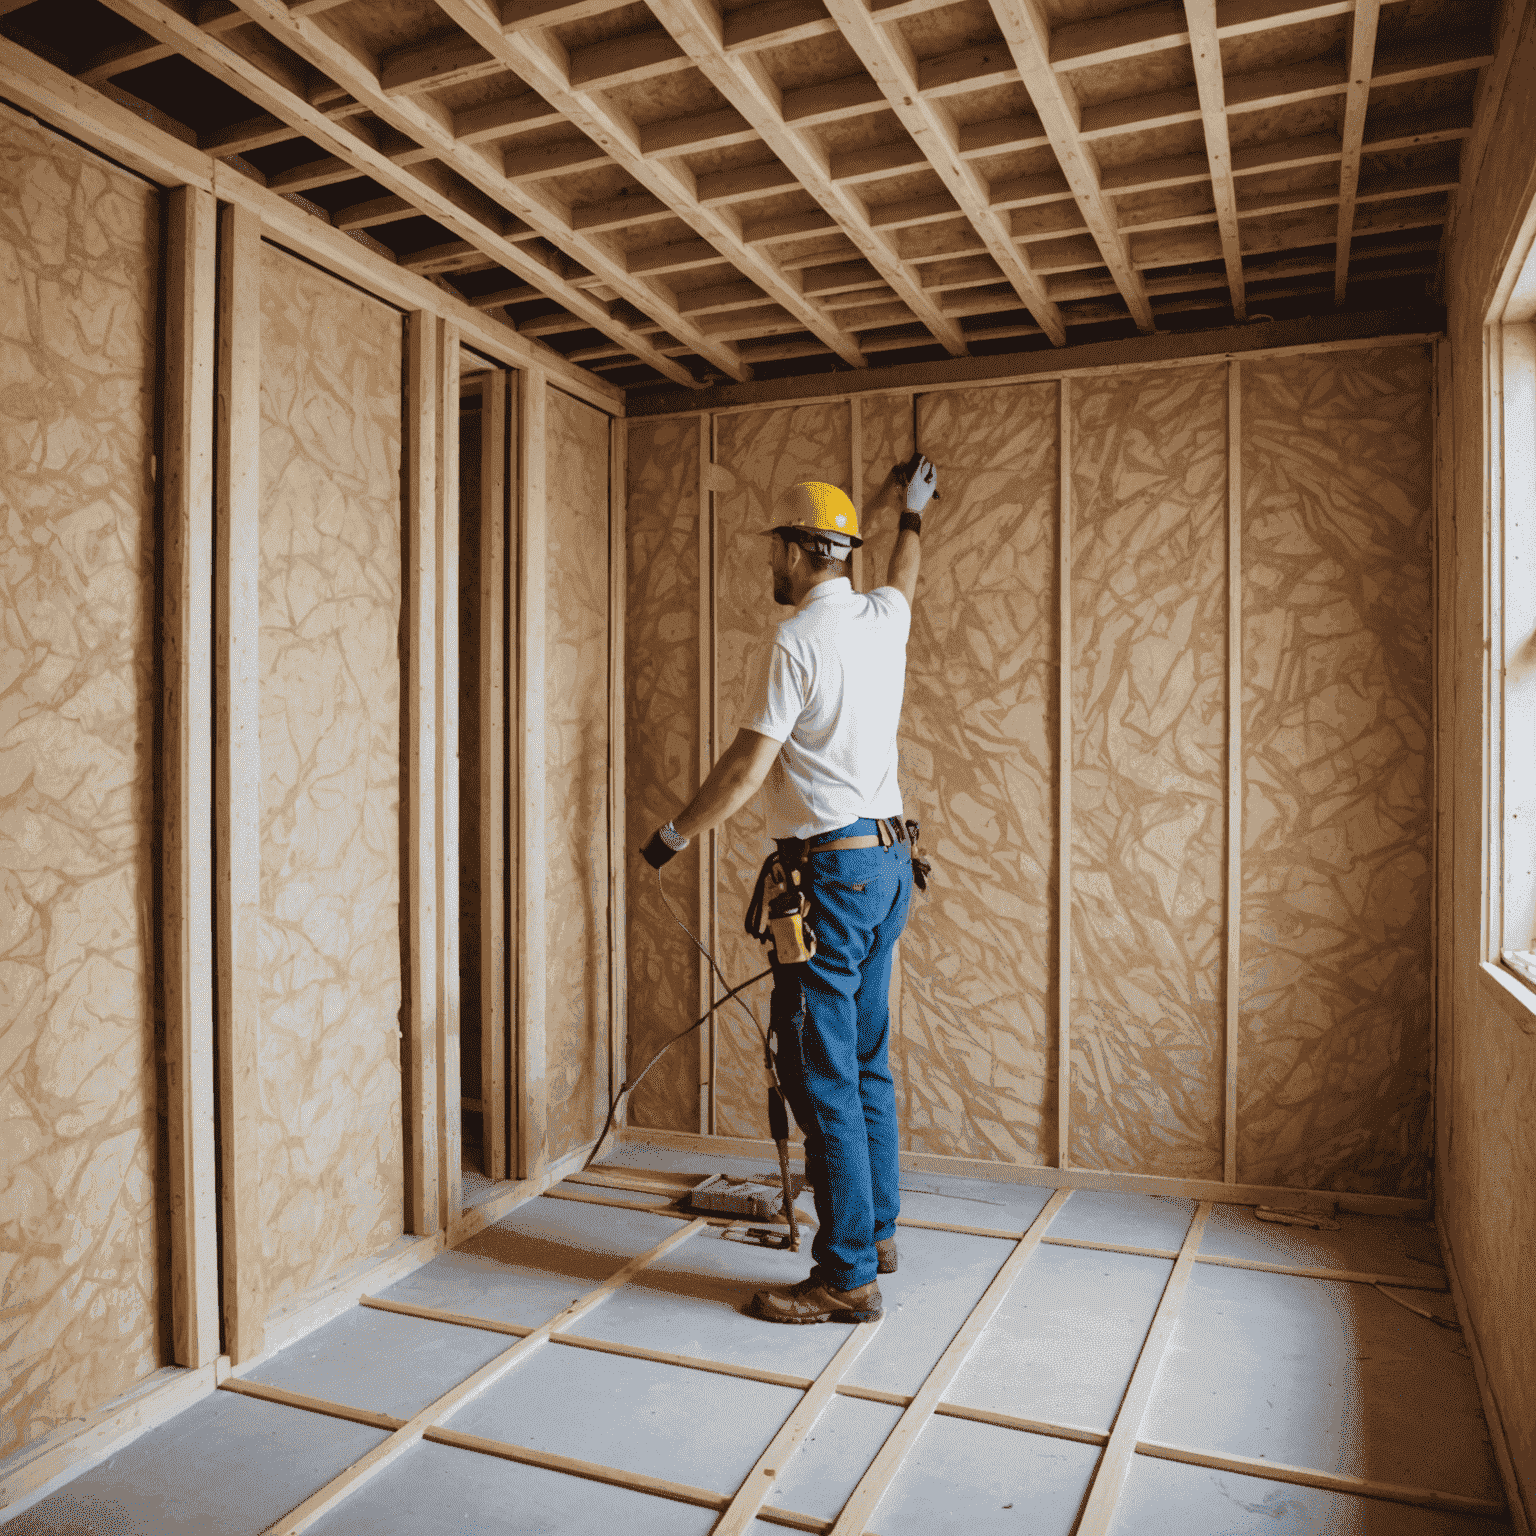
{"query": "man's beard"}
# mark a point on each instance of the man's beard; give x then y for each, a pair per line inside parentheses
(781, 590)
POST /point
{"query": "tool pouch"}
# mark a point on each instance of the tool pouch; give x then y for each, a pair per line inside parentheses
(921, 867)
(777, 913)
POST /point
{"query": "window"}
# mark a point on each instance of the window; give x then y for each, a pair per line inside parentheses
(1511, 622)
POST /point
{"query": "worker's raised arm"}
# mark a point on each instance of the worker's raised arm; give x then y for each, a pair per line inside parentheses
(907, 556)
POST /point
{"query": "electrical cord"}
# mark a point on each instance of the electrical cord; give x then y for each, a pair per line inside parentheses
(629, 1087)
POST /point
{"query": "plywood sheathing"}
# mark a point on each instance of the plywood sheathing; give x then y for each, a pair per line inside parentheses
(1188, 1037)
(689, 190)
(81, 247)
(661, 715)
(331, 1134)
(576, 808)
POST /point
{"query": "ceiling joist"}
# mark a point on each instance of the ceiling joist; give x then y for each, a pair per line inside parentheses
(672, 189)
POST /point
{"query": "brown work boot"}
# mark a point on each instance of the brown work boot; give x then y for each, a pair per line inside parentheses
(886, 1256)
(812, 1302)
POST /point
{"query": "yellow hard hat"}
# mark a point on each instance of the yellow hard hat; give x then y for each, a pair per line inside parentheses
(813, 506)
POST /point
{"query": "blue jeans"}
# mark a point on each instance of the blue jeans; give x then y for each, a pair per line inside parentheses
(833, 1023)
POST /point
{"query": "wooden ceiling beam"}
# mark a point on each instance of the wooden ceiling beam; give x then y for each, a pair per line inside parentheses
(553, 325)
(620, 213)
(534, 15)
(520, 294)
(743, 79)
(541, 59)
(891, 63)
(774, 23)
(213, 16)
(1157, 28)
(424, 186)
(373, 212)
(722, 298)
(252, 133)
(544, 160)
(833, 101)
(328, 171)
(968, 69)
(1309, 80)
(1024, 26)
(1395, 133)
(1205, 48)
(718, 189)
(1361, 47)
(438, 61)
(500, 119)
(431, 124)
(624, 59)
(697, 131)
(897, 158)
(1001, 135)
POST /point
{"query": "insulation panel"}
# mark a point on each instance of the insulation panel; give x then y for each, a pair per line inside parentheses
(332, 1175)
(81, 1261)
(576, 767)
(1337, 625)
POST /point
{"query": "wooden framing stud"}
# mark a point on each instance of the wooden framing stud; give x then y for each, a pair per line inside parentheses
(1233, 972)
(493, 781)
(450, 1156)
(423, 1214)
(531, 916)
(187, 914)
(237, 777)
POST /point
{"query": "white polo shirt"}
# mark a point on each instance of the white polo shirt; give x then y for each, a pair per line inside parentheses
(830, 689)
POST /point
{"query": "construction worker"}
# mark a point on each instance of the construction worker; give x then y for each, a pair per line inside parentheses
(820, 733)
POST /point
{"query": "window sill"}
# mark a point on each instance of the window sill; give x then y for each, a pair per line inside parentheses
(1514, 997)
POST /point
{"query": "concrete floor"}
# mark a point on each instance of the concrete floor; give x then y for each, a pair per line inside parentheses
(1321, 1374)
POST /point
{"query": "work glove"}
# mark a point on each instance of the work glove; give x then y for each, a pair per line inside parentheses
(922, 484)
(656, 853)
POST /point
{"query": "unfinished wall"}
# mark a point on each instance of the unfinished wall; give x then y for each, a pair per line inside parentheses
(1149, 625)
(1337, 888)
(661, 722)
(79, 1216)
(332, 1176)
(975, 1054)
(1335, 586)
(1485, 1076)
(576, 774)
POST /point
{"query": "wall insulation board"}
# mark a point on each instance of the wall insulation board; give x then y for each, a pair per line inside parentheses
(81, 1233)
(661, 761)
(1332, 1010)
(1334, 1072)
(1149, 625)
(332, 1173)
(576, 773)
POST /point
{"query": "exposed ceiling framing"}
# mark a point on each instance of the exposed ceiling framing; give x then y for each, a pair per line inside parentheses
(680, 191)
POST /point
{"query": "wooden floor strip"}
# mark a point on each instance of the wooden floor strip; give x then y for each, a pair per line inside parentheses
(748, 1502)
(1333, 1482)
(759, 1482)
(1304, 1271)
(437, 1315)
(1115, 1463)
(572, 1466)
(387, 1451)
(1353, 1276)
(860, 1508)
(272, 1394)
